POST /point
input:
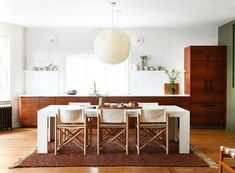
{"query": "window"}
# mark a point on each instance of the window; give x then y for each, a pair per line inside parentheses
(4, 68)
(82, 70)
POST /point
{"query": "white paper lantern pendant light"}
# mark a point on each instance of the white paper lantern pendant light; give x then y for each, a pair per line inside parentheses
(112, 46)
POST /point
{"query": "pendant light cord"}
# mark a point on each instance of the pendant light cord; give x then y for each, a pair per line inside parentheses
(112, 3)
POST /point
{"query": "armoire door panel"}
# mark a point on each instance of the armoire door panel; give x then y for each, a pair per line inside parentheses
(207, 113)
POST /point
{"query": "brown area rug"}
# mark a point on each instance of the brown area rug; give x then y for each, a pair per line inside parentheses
(113, 155)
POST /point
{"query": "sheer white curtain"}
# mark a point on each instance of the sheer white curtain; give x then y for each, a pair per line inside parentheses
(82, 70)
(4, 68)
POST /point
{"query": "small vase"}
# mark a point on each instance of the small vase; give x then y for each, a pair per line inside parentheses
(172, 90)
(145, 62)
(141, 65)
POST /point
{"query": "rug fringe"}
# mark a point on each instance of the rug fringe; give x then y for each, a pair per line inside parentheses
(208, 160)
(22, 158)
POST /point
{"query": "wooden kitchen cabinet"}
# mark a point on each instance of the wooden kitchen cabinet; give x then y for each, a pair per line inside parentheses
(205, 82)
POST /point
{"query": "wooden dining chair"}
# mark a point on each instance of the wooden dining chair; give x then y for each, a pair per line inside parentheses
(152, 126)
(226, 152)
(112, 126)
(89, 120)
(69, 126)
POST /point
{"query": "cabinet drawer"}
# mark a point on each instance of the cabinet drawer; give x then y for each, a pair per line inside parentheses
(29, 105)
(29, 120)
(208, 114)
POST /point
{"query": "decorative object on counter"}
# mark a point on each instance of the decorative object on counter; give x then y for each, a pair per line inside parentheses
(71, 92)
(173, 75)
(112, 46)
(144, 61)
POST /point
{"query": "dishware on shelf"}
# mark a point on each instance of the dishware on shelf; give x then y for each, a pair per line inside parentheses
(146, 68)
(135, 67)
(35, 68)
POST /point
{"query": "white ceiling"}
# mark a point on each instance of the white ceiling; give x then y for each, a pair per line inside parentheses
(135, 13)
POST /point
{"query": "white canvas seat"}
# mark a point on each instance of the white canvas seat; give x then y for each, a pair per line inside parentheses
(112, 126)
(152, 126)
(70, 125)
(226, 152)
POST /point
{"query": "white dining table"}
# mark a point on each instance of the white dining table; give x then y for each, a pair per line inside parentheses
(45, 124)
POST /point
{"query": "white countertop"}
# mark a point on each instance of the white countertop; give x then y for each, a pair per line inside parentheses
(83, 95)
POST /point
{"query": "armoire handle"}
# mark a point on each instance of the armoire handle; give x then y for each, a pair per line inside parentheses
(208, 105)
(211, 85)
(206, 87)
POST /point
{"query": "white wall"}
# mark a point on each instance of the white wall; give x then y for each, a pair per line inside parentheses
(165, 46)
(17, 55)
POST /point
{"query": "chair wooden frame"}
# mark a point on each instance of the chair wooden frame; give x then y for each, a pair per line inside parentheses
(84, 105)
(226, 153)
(66, 132)
(152, 132)
(112, 131)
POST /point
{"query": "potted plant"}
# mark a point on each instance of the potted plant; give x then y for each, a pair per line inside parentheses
(173, 75)
(144, 61)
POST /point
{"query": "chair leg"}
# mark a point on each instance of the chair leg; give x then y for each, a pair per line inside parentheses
(90, 132)
(167, 141)
(138, 136)
(127, 141)
(98, 136)
(85, 136)
(220, 162)
(55, 147)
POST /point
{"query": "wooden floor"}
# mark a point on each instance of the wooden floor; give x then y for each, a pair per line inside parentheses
(18, 142)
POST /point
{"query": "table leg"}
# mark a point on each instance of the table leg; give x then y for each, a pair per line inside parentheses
(173, 129)
(42, 133)
(184, 134)
(51, 124)
(90, 132)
